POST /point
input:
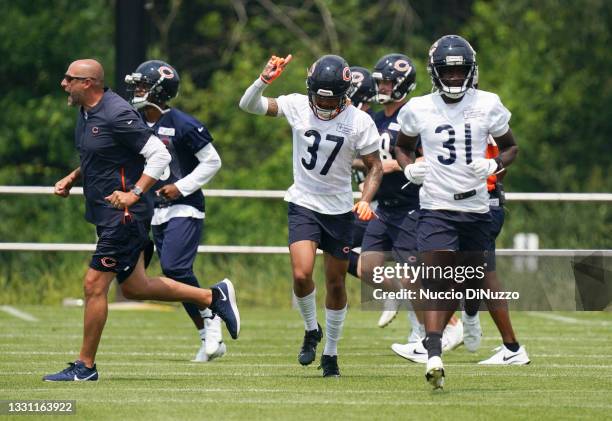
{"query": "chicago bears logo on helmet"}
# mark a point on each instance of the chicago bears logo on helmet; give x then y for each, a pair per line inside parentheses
(328, 82)
(346, 74)
(402, 65)
(398, 69)
(153, 83)
(166, 72)
(362, 86)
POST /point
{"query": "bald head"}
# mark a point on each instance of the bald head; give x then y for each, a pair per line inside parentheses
(84, 83)
(88, 68)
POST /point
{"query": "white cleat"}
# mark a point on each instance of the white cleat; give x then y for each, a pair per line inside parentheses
(213, 339)
(412, 351)
(452, 336)
(434, 374)
(202, 356)
(472, 332)
(504, 356)
(386, 317)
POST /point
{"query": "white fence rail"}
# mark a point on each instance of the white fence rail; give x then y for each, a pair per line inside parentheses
(285, 250)
(279, 194)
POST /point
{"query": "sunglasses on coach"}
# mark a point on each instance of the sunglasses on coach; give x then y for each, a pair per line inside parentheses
(70, 78)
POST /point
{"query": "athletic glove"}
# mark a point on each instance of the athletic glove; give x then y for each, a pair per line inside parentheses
(415, 173)
(484, 167)
(274, 68)
(363, 211)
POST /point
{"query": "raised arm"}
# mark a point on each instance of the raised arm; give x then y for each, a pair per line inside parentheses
(252, 100)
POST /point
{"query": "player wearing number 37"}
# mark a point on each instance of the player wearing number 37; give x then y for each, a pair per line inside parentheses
(328, 133)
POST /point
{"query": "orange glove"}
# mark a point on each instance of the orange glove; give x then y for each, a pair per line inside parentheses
(274, 68)
(363, 211)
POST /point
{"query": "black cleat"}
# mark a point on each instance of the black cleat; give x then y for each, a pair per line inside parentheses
(329, 364)
(309, 347)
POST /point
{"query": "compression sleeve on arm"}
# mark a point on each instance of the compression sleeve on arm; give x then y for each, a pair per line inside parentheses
(157, 157)
(252, 101)
(210, 162)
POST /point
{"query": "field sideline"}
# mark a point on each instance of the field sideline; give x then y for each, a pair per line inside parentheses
(145, 371)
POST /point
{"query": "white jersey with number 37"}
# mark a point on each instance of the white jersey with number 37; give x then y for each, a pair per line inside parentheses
(453, 136)
(323, 152)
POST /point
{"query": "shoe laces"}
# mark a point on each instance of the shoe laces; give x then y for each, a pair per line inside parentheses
(73, 367)
(311, 339)
(329, 364)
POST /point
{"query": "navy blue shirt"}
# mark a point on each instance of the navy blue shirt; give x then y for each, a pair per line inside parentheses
(390, 192)
(184, 136)
(109, 138)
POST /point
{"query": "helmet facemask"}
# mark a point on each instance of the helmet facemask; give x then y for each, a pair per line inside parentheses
(453, 80)
(333, 104)
(141, 92)
(382, 98)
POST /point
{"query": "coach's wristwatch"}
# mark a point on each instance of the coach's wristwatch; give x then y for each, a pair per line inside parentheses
(137, 191)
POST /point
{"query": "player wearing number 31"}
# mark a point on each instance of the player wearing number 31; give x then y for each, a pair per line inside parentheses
(453, 123)
(328, 132)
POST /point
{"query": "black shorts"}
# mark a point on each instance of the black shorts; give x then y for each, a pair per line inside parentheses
(119, 248)
(395, 230)
(332, 233)
(497, 222)
(359, 229)
(455, 231)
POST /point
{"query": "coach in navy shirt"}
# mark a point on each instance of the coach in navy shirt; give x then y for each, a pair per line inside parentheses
(120, 160)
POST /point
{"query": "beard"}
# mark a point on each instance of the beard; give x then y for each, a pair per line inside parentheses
(73, 99)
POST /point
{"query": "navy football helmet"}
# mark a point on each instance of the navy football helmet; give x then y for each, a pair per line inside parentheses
(398, 69)
(153, 83)
(452, 66)
(328, 82)
(362, 86)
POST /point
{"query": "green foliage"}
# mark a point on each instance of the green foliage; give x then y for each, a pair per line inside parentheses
(38, 40)
(547, 60)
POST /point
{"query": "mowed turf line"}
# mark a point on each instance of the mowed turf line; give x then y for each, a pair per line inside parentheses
(145, 371)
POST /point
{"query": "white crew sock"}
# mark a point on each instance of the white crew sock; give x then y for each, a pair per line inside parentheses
(308, 310)
(334, 321)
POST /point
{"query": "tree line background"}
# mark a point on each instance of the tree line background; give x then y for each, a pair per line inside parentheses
(548, 60)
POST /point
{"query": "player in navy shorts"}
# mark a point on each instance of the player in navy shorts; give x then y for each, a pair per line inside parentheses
(178, 219)
(453, 124)
(328, 133)
(510, 352)
(361, 93)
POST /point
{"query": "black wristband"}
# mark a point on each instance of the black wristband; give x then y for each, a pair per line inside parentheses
(500, 164)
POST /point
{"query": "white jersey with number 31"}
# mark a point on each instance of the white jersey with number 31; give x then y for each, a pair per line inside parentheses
(453, 136)
(323, 152)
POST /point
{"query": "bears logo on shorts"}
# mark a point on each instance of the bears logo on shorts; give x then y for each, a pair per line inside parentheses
(108, 262)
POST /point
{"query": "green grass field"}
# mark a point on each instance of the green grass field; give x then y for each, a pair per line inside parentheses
(145, 372)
